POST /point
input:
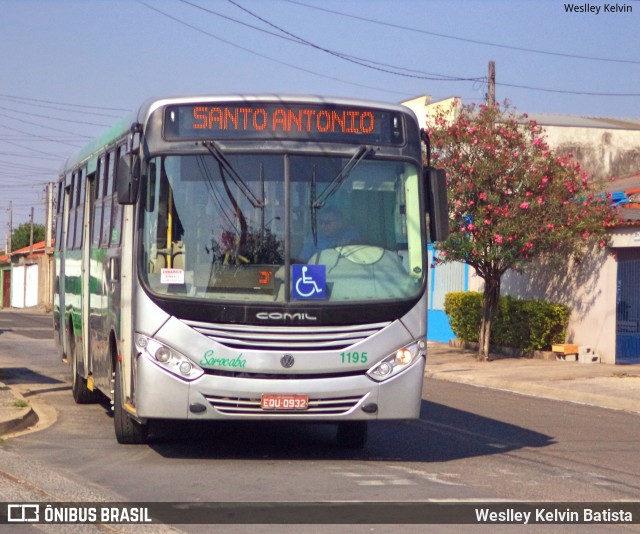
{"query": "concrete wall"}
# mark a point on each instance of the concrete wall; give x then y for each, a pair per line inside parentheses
(602, 152)
(425, 109)
(588, 287)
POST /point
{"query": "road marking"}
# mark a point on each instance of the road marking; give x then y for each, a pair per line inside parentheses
(431, 477)
(381, 479)
(393, 482)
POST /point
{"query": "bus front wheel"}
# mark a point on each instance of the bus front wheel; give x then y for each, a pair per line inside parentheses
(128, 431)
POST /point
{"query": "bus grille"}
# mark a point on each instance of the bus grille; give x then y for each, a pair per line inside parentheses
(244, 406)
(286, 338)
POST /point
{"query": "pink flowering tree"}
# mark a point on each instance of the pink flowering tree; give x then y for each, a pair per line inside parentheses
(511, 198)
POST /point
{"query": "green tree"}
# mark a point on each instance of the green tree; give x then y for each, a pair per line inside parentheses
(512, 198)
(22, 234)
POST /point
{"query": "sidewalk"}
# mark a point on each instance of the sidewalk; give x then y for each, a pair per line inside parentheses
(608, 386)
(597, 384)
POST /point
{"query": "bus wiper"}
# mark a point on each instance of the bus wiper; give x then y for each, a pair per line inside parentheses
(335, 184)
(224, 163)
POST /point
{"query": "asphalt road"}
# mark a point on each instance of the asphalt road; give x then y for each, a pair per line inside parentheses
(470, 444)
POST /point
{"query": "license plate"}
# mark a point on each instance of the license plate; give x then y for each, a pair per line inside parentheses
(284, 402)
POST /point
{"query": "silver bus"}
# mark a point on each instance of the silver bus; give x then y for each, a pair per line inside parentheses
(249, 257)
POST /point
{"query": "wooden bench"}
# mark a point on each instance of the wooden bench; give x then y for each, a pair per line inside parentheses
(566, 352)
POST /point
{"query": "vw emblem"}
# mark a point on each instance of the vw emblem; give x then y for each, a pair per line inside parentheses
(287, 361)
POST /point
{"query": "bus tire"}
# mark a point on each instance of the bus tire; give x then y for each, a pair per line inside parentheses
(81, 392)
(128, 431)
(353, 434)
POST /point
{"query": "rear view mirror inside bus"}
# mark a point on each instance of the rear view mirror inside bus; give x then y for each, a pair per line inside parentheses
(128, 178)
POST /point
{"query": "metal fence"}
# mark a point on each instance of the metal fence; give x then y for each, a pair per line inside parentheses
(628, 307)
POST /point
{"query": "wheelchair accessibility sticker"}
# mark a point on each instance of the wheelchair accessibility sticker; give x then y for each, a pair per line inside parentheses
(308, 282)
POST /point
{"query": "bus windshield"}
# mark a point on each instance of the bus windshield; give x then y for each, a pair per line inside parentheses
(229, 228)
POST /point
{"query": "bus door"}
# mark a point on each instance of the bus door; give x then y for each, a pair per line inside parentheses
(83, 217)
(96, 289)
(113, 268)
(102, 271)
(65, 198)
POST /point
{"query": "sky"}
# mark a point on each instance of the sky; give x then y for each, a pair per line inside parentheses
(70, 68)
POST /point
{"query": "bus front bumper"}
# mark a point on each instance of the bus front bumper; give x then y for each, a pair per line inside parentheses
(213, 397)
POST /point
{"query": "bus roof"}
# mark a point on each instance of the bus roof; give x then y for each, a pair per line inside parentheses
(96, 145)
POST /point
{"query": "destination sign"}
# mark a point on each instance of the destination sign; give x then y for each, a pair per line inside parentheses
(252, 120)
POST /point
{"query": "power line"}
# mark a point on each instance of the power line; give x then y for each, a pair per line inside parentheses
(30, 148)
(264, 56)
(26, 167)
(39, 115)
(369, 64)
(18, 187)
(527, 87)
(23, 121)
(464, 39)
(364, 62)
(72, 105)
(22, 178)
(57, 108)
(564, 91)
(14, 155)
(31, 135)
(23, 187)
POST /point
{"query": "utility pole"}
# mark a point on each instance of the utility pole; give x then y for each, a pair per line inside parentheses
(31, 234)
(491, 95)
(49, 216)
(48, 294)
(10, 226)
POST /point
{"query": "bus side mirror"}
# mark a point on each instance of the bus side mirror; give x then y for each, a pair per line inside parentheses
(435, 187)
(128, 178)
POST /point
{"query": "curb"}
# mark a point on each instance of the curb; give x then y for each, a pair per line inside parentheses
(28, 417)
(20, 418)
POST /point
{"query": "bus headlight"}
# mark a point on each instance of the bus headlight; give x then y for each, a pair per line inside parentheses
(168, 358)
(398, 361)
(163, 355)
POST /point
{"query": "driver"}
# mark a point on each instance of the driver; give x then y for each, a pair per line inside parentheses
(333, 231)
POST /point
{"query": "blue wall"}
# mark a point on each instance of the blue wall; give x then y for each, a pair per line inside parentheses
(438, 328)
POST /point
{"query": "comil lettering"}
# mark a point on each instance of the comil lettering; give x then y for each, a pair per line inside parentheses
(277, 316)
(303, 120)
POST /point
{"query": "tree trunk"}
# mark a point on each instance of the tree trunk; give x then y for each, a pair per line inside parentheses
(489, 309)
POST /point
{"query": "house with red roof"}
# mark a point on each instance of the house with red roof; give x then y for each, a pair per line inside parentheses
(25, 276)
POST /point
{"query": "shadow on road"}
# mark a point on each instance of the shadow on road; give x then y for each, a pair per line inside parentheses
(25, 375)
(440, 435)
